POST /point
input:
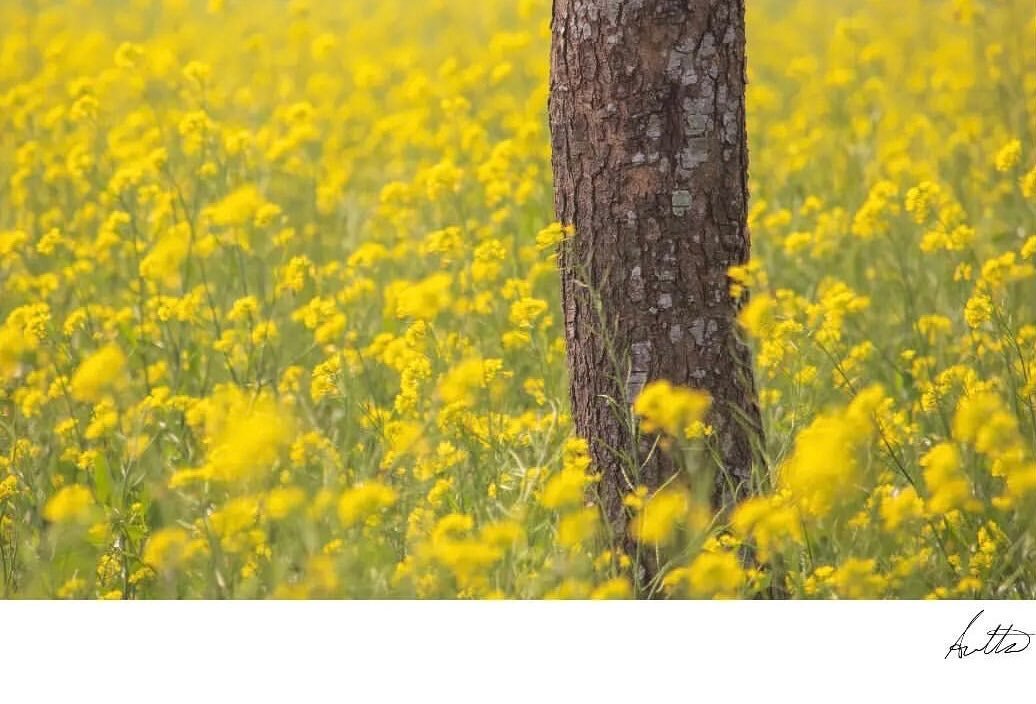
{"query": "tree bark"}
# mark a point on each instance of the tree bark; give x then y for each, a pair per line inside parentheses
(647, 116)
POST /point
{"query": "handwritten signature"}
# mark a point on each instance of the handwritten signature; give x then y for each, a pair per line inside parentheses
(1002, 639)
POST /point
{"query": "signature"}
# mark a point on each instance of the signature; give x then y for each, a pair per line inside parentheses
(1002, 639)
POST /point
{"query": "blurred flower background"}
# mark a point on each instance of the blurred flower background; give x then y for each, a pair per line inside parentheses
(278, 308)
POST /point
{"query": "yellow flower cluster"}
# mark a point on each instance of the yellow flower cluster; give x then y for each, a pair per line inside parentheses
(676, 411)
(892, 305)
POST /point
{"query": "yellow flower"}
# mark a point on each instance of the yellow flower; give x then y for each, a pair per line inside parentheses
(658, 521)
(238, 207)
(1008, 156)
(566, 488)
(1028, 183)
(978, 309)
(166, 548)
(234, 517)
(425, 299)
(982, 419)
(71, 504)
(71, 588)
(615, 588)
(464, 379)
(162, 264)
(324, 382)
(757, 317)
(934, 326)
(673, 410)
(97, 373)
(715, 575)
(197, 72)
(900, 506)
(552, 235)
(946, 482)
(266, 214)
(856, 578)
(364, 500)
(502, 534)
(128, 55)
(282, 501)
(244, 308)
(103, 420)
(822, 470)
(770, 522)
(873, 216)
(8, 486)
(525, 311)
(577, 528)
(534, 386)
(920, 200)
(443, 178)
(245, 435)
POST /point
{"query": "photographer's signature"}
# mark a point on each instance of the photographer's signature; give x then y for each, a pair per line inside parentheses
(1002, 639)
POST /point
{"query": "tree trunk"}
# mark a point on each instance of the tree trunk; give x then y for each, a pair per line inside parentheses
(647, 115)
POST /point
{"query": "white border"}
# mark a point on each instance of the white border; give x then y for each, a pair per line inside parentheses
(489, 652)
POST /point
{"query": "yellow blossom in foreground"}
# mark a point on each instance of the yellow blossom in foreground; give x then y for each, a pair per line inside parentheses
(982, 419)
(715, 574)
(576, 528)
(615, 588)
(97, 374)
(757, 316)
(566, 488)
(900, 506)
(71, 504)
(948, 485)
(673, 410)
(770, 522)
(502, 534)
(821, 472)
(282, 501)
(657, 522)
(858, 579)
(168, 548)
(246, 437)
(232, 522)
(364, 500)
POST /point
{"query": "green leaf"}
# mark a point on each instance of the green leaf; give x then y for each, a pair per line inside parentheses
(102, 479)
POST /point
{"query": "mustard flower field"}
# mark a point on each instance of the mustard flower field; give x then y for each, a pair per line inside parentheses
(279, 309)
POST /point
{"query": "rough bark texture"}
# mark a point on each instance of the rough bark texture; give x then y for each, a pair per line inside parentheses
(647, 113)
